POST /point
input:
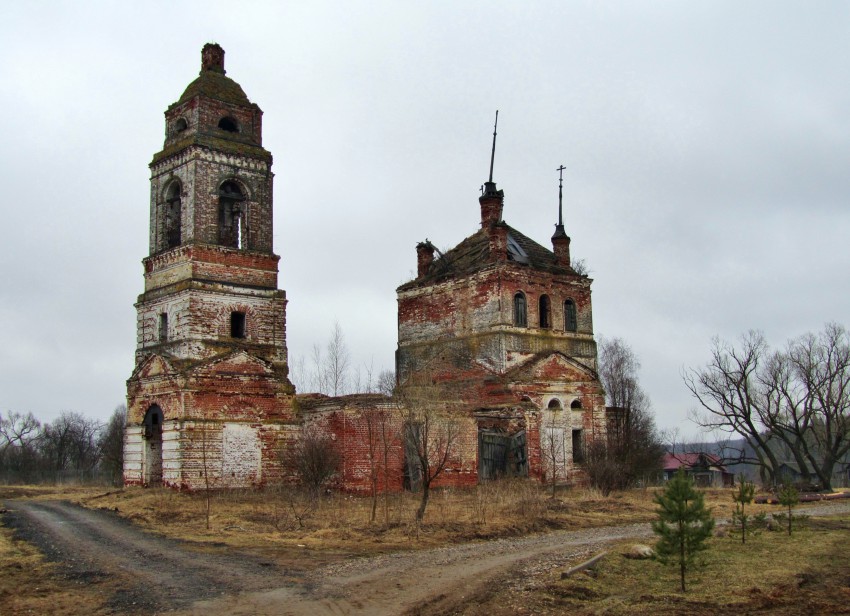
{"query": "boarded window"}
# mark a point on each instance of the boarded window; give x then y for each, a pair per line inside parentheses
(570, 322)
(520, 310)
(240, 455)
(237, 324)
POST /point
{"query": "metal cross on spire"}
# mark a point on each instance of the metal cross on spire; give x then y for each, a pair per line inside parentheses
(560, 171)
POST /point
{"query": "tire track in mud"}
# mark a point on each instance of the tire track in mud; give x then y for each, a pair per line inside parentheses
(143, 572)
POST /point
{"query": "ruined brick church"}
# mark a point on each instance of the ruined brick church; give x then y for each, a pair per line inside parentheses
(498, 330)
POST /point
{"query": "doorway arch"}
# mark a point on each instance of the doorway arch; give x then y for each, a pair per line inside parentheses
(152, 438)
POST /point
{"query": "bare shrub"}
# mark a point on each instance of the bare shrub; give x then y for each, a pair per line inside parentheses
(315, 458)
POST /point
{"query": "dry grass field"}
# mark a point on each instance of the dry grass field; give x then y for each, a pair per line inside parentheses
(773, 571)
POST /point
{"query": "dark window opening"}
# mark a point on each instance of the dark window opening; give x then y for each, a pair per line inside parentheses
(520, 311)
(570, 322)
(578, 447)
(554, 404)
(152, 423)
(545, 312)
(237, 324)
(228, 124)
(576, 404)
(230, 215)
(163, 327)
(173, 214)
(180, 125)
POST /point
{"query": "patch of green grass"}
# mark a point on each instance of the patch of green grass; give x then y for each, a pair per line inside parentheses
(808, 571)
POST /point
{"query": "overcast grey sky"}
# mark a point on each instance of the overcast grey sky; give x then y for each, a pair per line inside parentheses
(706, 145)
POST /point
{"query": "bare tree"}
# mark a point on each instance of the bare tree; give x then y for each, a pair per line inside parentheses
(797, 400)
(381, 434)
(337, 362)
(19, 436)
(70, 442)
(430, 434)
(298, 373)
(386, 382)
(581, 267)
(633, 450)
(330, 371)
(111, 443)
(318, 377)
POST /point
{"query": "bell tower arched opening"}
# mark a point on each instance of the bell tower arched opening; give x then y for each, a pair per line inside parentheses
(231, 215)
(173, 216)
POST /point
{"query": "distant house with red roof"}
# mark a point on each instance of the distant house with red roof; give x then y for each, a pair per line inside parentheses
(705, 469)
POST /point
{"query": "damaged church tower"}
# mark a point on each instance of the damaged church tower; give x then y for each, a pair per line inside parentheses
(209, 399)
(504, 325)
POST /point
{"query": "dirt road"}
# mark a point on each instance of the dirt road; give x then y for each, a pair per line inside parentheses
(147, 573)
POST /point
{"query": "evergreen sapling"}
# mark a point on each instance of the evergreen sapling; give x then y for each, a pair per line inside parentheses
(684, 524)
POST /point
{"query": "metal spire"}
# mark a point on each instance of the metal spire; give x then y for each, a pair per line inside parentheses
(493, 153)
(559, 228)
(560, 171)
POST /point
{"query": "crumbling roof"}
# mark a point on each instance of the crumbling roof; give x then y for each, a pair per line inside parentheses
(218, 86)
(314, 401)
(473, 255)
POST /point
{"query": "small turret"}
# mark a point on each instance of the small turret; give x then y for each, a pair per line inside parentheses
(212, 58)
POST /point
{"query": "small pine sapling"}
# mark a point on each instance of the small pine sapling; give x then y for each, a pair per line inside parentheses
(742, 497)
(684, 524)
(788, 497)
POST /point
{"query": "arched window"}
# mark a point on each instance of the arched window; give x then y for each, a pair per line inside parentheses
(570, 322)
(230, 215)
(228, 124)
(520, 311)
(554, 404)
(173, 216)
(576, 404)
(545, 312)
(180, 125)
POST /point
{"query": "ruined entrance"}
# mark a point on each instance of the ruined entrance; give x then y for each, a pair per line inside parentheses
(152, 426)
(501, 455)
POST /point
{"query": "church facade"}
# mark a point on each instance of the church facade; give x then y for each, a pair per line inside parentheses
(499, 330)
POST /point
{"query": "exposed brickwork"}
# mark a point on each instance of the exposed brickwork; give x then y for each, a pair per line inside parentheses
(224, 395)
(209, 401)
(458, 332)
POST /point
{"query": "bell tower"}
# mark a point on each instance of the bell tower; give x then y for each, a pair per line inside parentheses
(211, 275)
(211, 322)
